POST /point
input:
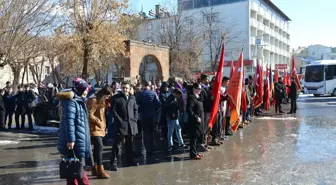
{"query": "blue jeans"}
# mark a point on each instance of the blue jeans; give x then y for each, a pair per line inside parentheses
(174, 124)
(248, 113)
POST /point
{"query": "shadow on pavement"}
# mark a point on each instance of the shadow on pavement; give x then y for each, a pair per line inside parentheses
(32, 147)
(28, 178)
(32, 164)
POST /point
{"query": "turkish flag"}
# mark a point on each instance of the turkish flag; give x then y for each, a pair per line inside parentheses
(232, 69)
(268, 93)
(244, 101)
(259, 84)
(235, 93)
(216, 90)
(294, 74)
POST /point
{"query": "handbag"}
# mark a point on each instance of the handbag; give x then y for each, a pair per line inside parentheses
(71, 167)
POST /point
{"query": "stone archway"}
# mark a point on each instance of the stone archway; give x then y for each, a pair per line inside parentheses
(150, 68)
(138, 51)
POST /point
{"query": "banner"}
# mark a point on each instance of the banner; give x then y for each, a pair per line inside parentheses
(216, 90)
(294, 74)
(258, 99)
(235, 93)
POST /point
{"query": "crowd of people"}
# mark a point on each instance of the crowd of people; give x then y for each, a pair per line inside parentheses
(179, 110)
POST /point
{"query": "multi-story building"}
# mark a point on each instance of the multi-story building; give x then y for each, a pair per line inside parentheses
(258, 25)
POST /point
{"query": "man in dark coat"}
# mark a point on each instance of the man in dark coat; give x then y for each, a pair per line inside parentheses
(292, 95)
(30, 103)
(195, 113)
(149, 105)
(207, 100)
(279, 95)
(20, 111)
(125, 111)
(9, 101)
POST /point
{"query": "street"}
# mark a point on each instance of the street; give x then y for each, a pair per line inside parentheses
(271, 150)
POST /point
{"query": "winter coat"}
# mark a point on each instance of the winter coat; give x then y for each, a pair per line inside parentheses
(195, 110)
(9, 101)
(97, 119)
(125, 112)
(206, 98)
(20, 102)
(279, 90)
(30, 99)
(74, 125)
(163, 99)
(149, 103)
(292, 90)
(172, 108)
(2, 105)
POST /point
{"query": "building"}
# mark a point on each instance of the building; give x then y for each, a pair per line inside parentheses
(260, 26)
(306, 55)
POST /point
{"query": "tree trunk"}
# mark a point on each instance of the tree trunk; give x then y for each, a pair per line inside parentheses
(86, 58)
(23, 75)
(16, 75)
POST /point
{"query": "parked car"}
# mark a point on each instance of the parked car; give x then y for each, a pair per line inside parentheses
(46, 113)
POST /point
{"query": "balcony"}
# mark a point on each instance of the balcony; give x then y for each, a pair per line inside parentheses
(254, 23)
(267, 15)
(267, 30)
(254, 6)
(261, 26)
(261, 12)
(252, 40)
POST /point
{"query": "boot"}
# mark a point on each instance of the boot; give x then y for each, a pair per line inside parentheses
(94, 170)
(101, 173)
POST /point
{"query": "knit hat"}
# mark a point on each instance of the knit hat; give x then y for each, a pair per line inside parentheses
(79, 85)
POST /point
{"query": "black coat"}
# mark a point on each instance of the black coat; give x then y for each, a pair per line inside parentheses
(279, 90)
(206, 98)
(2, 105)
(9, 101)
(172, 108)
(125, 113)
(292, 90)
(163, 99)
(195, 110)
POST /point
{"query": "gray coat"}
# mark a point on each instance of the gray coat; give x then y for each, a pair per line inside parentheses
(125, 111)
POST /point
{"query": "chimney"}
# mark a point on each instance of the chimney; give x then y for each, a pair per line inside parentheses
(157, 11)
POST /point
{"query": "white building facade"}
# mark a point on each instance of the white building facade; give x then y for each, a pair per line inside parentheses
(260, 26)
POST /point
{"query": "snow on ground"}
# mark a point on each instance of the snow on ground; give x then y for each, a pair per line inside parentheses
(8, 142)
(276, 118)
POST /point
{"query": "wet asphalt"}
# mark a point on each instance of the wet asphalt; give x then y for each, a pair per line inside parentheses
(282, 149)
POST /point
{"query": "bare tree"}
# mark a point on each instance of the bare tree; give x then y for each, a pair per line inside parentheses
(217, 31)
(185, 40)
(22, 21)
(92, 30)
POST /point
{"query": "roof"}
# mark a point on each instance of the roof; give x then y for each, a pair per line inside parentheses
(276, 9)
(323, 62)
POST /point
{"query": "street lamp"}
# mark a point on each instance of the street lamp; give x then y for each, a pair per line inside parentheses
(259, 44)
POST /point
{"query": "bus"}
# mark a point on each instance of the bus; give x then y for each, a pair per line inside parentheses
(320, 78)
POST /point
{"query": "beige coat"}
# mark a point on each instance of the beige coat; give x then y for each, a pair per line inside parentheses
(97, 118)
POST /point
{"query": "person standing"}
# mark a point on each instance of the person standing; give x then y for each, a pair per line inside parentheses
(172, 116)
(74, 132)
(20, 110)
(195, 113)
(292, 95)
(125, 111)
(97, 104)
(207, 100)
(30, 103)
(279, 95)
(9, 101)
(164, 94)
(149, 105)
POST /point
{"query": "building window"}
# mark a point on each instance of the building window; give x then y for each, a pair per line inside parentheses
(211, 17)
(313, 53)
